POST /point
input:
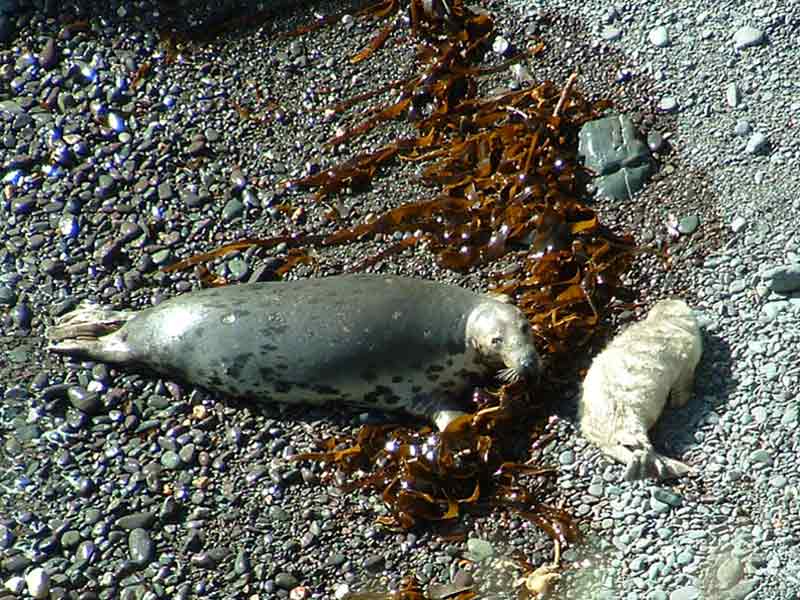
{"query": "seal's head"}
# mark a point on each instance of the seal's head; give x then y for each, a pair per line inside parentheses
(673, 312)
(501, 334)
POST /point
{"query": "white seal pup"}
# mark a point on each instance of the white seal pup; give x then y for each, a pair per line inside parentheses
(627, 387)
(380, 342)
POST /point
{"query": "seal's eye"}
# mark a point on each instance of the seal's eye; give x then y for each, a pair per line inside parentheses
(496, 341)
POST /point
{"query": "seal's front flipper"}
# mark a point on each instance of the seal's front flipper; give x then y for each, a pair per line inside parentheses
(442, 418)
(89, 331)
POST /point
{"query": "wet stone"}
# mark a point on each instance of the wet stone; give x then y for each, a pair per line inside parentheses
(140, 547)
(286, 581)
(242, 563)
(48, 57)
(373, 563)
(655, 141)
(140, 520)
(38, 583)
(16, 563)
(70, 539)
(7, 537)
(232, 210)
(83, 400)
(7, 296)
(165, 191)
(171, 460)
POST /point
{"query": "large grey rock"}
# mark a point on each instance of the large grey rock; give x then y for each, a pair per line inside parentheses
(614, 150)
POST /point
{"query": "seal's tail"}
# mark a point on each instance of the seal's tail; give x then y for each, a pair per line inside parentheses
(89, 331)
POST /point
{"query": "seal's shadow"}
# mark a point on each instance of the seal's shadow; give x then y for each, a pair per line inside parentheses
(675, 432)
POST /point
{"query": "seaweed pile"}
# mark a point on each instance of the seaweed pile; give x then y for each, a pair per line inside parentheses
(509, 193)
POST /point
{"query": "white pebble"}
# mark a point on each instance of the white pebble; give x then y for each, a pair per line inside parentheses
(500, 45)
(659, 37)
(15, 585)
(667, 104)
(756, 144)
(732, 95)
(738, 223)
(747, 36)
(38, 582)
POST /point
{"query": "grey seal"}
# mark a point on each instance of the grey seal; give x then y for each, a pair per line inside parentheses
(627, 385)
(380, 342)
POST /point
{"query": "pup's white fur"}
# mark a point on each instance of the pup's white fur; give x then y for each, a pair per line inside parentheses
(627, 386)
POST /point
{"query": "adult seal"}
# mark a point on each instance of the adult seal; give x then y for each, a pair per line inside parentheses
(381, 342)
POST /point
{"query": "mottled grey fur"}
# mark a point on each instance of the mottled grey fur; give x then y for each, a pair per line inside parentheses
(372, 341)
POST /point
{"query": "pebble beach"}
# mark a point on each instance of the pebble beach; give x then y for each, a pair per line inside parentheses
(120, 154)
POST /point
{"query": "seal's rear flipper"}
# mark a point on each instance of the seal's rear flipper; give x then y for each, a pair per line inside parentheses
(648, 463)
(88, 321)
(89, 331)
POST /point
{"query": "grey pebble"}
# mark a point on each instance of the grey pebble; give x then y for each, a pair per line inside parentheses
(773, 309)
(742, 128)
(500, 45)
(374, 563)
(761, 457)
(789, 416)
(742, 589)
(688, 225)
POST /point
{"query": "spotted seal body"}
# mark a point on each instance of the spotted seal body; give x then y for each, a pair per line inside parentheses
(627, 386)
(383, 342)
